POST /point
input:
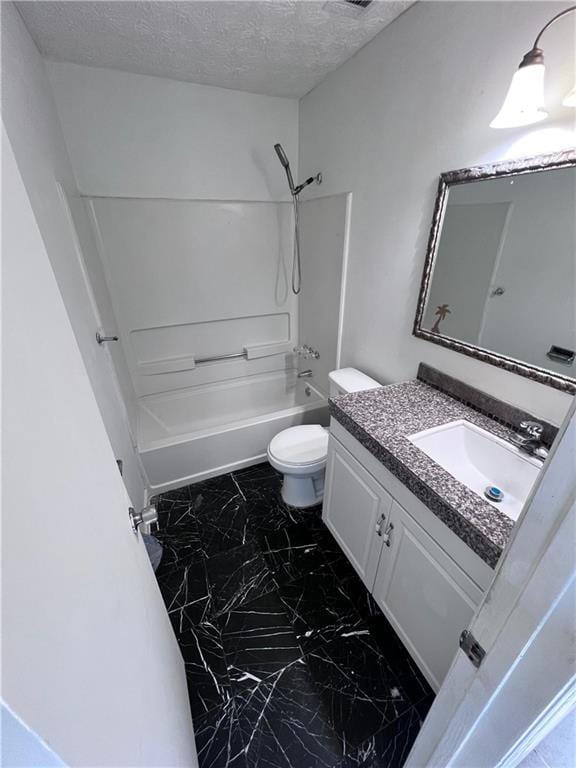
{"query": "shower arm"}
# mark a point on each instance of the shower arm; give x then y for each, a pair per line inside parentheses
(310, 180)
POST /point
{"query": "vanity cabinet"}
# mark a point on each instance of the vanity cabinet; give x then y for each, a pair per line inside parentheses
(426, 581)
(425, 595)
(356, 510)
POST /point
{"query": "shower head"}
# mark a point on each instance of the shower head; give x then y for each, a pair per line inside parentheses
(281, 155)
(294, 191)
(286, 165)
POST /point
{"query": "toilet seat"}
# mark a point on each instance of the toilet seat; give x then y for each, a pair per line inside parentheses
(303, 446)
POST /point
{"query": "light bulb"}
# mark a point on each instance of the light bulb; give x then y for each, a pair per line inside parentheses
(570, 99)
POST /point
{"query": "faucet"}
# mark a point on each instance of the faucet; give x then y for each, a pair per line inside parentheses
(305, 374)
(529, 439)
(306, 352)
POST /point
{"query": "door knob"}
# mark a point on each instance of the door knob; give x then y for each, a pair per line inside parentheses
(147, 517)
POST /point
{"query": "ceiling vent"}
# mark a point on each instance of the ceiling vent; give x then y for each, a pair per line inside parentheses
(352, 8)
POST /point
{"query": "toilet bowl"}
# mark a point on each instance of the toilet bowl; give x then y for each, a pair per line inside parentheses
(300, 453)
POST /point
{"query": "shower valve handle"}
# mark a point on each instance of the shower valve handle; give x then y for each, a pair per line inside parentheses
(306, 352)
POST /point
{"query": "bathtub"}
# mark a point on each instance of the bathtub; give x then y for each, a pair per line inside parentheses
(193, 434)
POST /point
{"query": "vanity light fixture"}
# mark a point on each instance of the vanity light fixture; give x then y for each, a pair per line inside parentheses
(570, 99)
(524, 101)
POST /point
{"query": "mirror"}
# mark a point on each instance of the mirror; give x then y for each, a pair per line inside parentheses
(499, 280)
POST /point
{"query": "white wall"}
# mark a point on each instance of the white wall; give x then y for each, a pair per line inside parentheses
(414, 102)
(140, 136)
(323, 227)
(33, 127)
(89, 658)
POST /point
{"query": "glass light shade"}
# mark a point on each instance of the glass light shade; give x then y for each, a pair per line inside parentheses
(570, 99)
(524, 100)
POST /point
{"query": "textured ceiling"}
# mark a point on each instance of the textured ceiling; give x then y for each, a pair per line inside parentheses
(277, 48)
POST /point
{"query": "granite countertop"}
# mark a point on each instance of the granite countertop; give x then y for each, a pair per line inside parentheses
(381, 420)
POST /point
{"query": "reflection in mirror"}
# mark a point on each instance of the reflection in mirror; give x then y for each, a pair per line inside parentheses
(500, 275)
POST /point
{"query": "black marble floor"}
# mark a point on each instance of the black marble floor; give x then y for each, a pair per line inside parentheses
(289, 662)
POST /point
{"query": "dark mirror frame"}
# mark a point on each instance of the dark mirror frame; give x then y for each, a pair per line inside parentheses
(564, 159)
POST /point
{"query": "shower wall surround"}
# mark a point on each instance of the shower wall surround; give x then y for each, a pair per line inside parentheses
(195, 279)
(324, 226)
(190, 216)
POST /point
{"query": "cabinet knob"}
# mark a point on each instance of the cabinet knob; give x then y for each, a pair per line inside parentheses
(380, 523)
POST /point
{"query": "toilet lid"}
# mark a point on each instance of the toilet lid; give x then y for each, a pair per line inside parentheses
(300, 445)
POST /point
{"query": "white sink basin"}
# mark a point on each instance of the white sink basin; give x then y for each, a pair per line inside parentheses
(480, 460)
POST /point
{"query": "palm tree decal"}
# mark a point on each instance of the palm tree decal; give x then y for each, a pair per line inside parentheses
(441, 313)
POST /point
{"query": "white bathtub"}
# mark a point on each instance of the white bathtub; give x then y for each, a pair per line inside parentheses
(196, 433)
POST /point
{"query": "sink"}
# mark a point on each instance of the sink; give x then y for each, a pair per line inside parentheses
(480, 460)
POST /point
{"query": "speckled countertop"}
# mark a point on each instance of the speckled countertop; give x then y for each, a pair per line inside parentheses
(381, 420)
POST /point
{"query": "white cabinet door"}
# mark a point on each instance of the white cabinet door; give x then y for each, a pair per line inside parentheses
(90, 661)
(426, 596)
(356, 510)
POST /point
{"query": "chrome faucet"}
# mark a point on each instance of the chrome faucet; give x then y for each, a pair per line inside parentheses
(306, 352)
(305, 374)
(529, 439)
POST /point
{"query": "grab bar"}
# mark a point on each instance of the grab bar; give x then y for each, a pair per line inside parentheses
(189, 362)
(251, 352)
(220, 357)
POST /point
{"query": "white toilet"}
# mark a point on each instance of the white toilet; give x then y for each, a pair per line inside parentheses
(300, 452)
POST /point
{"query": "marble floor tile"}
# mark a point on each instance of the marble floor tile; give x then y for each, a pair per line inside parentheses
(180, 509)
(266, 511)
(177, 509)
(258, 640)
(219, 742)
(389, 747)
(413, 682)
(341, 566)
(178, 549)
(360, 692)
(225, 528)
(293, 552)
(186, 596)
(289, 661)
(320, 609)
(284, 722)
(206, 669)
(237, 577)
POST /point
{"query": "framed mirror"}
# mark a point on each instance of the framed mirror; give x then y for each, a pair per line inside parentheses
(499, 280)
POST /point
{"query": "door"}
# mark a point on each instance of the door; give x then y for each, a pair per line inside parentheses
(89, 659)
(426, 596)
(495, 714)
(356, 510)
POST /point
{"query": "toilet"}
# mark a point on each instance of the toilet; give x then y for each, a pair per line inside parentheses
(300, 453)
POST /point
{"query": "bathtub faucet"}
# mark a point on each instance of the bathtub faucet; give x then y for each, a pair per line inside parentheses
(305, 374)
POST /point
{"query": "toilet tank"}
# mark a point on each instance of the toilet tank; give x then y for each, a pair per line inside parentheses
(347, 380)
